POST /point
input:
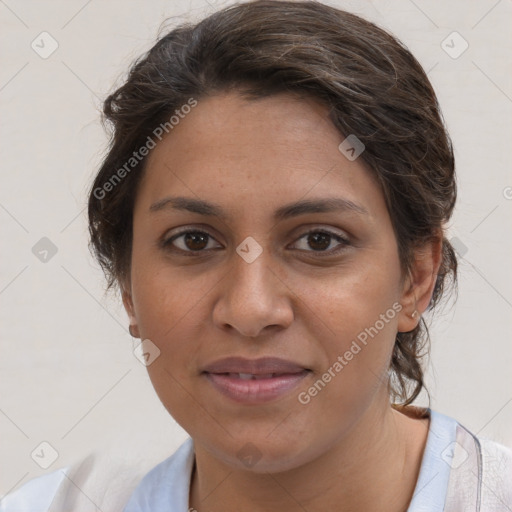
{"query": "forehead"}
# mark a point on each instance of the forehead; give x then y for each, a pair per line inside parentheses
(273, 150)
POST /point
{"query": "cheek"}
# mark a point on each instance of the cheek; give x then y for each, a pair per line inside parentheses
(359, 317)
(171, 309)
(357, 355)
(164, 298)
(354, 300)
(171, 312)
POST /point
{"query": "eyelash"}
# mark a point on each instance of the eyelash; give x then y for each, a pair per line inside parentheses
(167, 243)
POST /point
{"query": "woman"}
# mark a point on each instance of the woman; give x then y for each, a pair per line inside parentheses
(272, 209)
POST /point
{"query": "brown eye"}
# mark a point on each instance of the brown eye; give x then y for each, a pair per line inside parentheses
(196, 241)
(189, 241)
(320, 241)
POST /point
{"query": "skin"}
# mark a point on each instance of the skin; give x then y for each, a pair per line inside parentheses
(347, 449)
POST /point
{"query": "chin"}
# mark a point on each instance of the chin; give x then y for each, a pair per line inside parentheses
(260, 455)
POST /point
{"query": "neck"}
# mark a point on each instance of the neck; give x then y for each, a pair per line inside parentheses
(374, 467)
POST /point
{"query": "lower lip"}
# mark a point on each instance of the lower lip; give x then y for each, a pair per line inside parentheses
(255, 391)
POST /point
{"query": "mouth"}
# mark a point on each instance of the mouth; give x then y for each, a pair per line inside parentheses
(252, 376)
(254, 381)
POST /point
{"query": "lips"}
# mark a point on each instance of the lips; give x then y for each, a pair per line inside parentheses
(254, 381)
(261, 366)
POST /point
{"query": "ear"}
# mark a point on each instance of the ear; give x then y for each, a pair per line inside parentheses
(419, 284)
(126, 294)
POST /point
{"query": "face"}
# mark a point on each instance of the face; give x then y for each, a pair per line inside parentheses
(275, 321)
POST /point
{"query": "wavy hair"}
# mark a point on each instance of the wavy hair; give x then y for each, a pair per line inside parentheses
(373, 86)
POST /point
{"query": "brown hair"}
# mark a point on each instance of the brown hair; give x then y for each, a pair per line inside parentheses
(372, 84)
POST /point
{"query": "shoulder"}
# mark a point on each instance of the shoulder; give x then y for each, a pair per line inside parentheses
(460, 468)
(481, 474)
(495, 455)
(167, 484)
(106, 479)
(496, 472)
(36, 495)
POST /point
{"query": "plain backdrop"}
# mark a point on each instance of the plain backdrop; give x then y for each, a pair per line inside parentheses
(68, 373)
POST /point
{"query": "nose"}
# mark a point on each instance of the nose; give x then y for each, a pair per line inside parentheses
(253, 298)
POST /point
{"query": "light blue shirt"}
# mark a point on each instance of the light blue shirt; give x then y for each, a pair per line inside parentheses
(440, 485)
(167, 486)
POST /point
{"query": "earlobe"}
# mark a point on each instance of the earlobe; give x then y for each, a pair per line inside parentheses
(419, 285)
(130, 310)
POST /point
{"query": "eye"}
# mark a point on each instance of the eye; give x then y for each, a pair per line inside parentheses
(195, 241)
(189, 241)
(320, 240)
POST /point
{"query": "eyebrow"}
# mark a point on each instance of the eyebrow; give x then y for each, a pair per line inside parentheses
(305, 206)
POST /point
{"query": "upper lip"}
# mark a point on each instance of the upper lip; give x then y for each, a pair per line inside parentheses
(263, 365)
